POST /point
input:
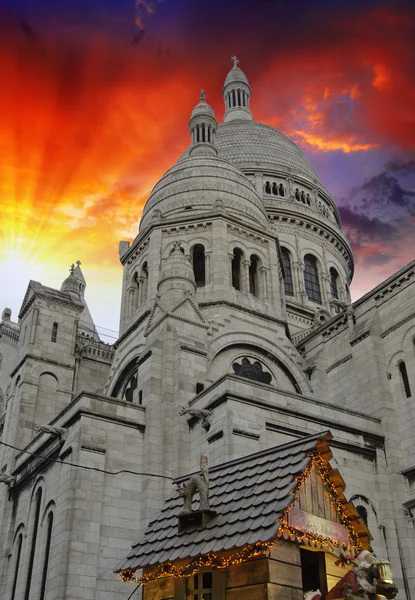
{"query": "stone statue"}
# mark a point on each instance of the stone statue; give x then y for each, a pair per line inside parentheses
(58, 431)
(198, 414)
(197, 483)
(7, 479)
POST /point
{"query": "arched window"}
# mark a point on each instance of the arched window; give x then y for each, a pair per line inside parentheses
(131, 387)
(239, 97)
(334, 288)
(38, 501)
(267, 187)
(302, 197)
(281, 190)
(253, 275)
(297, 194)
(46, 558)
(144, 283)
(404, 377)
(19, 544)
(288, 274)
(54, 335)
(233, 98)
(274, 189)
(311, 278)
(307, 199)
(236, 268)
(362, 510)
(199, 267)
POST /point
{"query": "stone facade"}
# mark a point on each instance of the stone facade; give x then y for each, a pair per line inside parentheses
(235, 299)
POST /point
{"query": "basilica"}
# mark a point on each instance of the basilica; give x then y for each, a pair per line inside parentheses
(238, 343)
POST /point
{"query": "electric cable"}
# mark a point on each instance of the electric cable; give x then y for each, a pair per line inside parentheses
(64, 462)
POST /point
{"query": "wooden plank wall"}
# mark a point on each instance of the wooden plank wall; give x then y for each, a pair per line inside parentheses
(314, 499)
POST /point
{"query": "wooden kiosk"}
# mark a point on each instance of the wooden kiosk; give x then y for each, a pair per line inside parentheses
(271, 528)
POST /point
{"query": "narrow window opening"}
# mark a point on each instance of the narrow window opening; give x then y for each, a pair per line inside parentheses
(140, 397)
(54, 335)
(267, 187)
(239, 97)
(311, 279)
(302, 197)
(46, 560)
(17, 564)
(274, 189)
(253, 275)
(297, 194)
(307, 199)
(405, 380)
(313, 571)
(236, 268)
(288, 274)
(199, 387)
(281, 190)
(33, 544)
(334, 278)
(197, 133)
(199, 266)
(362, 512)
(233, 98)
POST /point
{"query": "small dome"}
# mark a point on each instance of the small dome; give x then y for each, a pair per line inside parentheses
(176, 277)
(70, 284)
(236, 75)
(177, 266)
(195, 184)
(202, 108)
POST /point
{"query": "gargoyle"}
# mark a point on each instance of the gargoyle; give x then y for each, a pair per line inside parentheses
(58, 431)
(197, 483)
(7, 479)
(200, 415)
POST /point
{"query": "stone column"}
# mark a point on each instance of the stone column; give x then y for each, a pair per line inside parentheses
(298, 268)
(245, 276)
(263, 283)
(33, 327)
(208, 274)
(141, 291)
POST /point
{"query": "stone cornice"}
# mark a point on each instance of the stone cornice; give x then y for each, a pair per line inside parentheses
(187, 220)
(48, 361)
(250, 311)
(132, 328)
(285, 217)
(208, 390)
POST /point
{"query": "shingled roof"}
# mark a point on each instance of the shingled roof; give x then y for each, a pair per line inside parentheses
(248, 494)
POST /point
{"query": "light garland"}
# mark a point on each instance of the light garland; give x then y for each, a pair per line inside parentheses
(286, 531)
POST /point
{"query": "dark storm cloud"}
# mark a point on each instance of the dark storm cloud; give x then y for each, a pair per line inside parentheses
(401, 166)
(385, 189)
(359, 225)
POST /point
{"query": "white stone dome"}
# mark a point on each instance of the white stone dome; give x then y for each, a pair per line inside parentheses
(200, 184)
(236, 75)
(249, 144)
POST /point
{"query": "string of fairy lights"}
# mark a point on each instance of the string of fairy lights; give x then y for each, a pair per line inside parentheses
(259, 549)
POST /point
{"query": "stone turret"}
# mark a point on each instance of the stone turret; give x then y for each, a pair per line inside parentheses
(202, 127)
(237, 95)
(177, 278)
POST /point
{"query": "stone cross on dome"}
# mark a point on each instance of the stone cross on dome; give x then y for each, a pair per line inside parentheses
(203, 95)
(235, 61)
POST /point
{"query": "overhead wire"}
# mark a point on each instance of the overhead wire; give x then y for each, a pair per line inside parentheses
(71, 464)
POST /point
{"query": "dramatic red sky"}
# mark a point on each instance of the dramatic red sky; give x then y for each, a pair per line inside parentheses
(95, 97)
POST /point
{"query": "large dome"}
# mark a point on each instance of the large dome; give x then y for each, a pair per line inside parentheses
(199, 184)
(249, 144)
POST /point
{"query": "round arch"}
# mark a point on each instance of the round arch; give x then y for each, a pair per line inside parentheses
(244, 340)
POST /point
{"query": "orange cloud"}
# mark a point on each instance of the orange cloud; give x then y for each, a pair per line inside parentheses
(324, 144)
